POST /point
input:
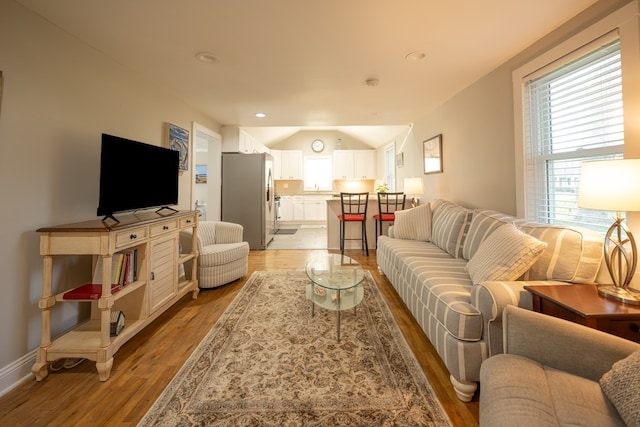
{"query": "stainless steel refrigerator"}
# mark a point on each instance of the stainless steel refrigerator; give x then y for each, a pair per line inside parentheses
(248, 195)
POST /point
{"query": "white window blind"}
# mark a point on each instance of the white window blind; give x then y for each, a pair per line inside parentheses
(573, 112)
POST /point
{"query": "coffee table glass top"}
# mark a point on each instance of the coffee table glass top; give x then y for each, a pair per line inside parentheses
(334, 271)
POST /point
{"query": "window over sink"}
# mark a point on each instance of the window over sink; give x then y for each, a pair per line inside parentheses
(317, 173)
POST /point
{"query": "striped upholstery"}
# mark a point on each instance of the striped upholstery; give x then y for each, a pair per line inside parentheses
(414, 223)
(572, 255)
(222, 255)
(436, 289)
(450, 223)
(483, 223)
(505, 255)
(462, 320)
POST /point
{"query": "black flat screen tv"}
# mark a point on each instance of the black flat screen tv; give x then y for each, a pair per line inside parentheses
(135, 175)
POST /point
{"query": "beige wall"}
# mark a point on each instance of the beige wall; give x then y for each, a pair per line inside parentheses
(59, 96)
(478, 131)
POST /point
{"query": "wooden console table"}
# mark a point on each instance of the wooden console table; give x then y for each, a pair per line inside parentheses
(154, 239)
(582, 304)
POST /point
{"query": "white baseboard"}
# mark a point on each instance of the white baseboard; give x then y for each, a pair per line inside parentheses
(17, 372)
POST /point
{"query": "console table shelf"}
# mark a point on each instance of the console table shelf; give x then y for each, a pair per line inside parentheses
(159, 284)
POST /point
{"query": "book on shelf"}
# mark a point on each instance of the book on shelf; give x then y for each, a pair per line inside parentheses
(88, 291)
(117, 322)
(124, 268)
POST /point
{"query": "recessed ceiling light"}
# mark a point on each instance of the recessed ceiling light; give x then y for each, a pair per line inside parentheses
(261, 115)
(418, 55)
(206, 57)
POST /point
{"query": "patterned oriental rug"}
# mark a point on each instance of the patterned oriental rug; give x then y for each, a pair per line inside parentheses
(266, 361)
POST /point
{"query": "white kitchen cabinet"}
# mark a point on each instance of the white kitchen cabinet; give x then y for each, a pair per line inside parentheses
(286, 208)
(236, 140)
(277, 162)
(290, 165)
(343, 164)
(298, 208)
(364, 164)
(315, 208)
(354, 164)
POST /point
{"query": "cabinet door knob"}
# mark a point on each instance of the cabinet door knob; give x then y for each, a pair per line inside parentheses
(153, 276)
(166, 227)
(133, 236)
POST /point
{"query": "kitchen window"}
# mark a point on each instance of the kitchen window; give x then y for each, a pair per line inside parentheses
(572, 112)
(317, 173)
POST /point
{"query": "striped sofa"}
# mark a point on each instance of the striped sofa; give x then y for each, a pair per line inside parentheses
(456, 269)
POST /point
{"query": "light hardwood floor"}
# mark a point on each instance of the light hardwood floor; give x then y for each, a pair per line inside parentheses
(145, 365)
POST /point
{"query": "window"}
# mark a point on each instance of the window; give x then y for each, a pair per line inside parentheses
(317, 173)
(390, 166)
(572, 113)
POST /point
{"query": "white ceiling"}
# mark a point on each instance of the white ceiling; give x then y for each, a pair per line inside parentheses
(304, 63)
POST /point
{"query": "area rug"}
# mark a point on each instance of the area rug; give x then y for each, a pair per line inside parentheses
(267, 361)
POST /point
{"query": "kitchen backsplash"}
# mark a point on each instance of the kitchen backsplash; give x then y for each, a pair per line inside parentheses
(296, 186)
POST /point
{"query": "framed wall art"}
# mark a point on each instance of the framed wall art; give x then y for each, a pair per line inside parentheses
(400, 160)
(432, 154)
(177, 139)
(201, 174)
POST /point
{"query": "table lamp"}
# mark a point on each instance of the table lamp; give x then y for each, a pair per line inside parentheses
(413, 186)
(613, 185)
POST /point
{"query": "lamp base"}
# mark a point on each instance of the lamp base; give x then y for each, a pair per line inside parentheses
(624, 295)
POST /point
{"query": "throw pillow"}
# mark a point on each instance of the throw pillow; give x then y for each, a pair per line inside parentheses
(413, 224)
(621, 385)
(450, 223)
(505, 255)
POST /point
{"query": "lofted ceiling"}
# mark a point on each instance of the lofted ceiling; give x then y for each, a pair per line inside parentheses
(305, 63)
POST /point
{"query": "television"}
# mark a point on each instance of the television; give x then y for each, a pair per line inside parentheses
(135, 175)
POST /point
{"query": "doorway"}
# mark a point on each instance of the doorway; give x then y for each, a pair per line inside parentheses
(206, 188)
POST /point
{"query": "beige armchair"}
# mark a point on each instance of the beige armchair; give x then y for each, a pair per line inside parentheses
(222, 255)
(550, 373)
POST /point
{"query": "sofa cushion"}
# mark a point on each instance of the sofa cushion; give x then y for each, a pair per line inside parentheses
(622, 386)
(413, 224)
(483, 223)
(434, 284)
(450, 223)
(222, 253)
(572, 255)
(505, 255)
(517, 391)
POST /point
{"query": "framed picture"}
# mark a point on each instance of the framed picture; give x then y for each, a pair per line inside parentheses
(432, 154)
(201, 174)
(177, 139)
(400, 160)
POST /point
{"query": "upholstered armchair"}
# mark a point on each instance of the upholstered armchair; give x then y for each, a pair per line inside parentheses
(222, 255)
(554, 372)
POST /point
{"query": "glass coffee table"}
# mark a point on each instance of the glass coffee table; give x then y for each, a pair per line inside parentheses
(336, 284)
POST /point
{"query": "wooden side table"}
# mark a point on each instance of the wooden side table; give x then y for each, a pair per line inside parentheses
(582, 304)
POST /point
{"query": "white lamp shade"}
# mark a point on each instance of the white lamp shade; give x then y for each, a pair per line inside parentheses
(610, 185)
(413, 186)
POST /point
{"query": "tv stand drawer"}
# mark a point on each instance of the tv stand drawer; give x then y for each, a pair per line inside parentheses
(131, 236)
(164, 227)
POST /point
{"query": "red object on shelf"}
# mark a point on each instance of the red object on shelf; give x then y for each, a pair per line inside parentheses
(88, 291)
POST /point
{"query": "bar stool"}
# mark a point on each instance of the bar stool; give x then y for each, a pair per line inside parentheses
(388, 203)
(354, 209)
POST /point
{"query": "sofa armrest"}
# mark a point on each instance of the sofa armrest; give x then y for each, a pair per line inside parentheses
(561, 344)
(228, 232)
(491, 297)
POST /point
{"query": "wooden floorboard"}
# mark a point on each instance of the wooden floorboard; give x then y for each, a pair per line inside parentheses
(145, 365)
